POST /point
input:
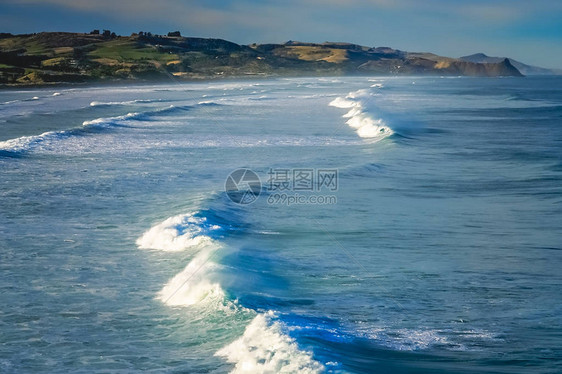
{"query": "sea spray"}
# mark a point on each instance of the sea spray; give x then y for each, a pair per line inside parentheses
(178, 233)
(106, 122)
(360, 117)
(265, 348)
(194, 285)
(27, 143)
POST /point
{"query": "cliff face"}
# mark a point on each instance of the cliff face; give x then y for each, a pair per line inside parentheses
(523, 68)
(425, 66)
(503, 68)
(70, 57)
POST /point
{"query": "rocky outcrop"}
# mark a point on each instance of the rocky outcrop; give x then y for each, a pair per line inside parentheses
(497, 69)
(523, 68)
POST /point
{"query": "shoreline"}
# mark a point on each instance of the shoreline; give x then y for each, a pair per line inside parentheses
(138, 82)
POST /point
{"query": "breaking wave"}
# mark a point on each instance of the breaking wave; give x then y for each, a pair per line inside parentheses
(360, 116)
(28, 143)
(265, 346)
(209, 103)
(34, 98)
(115, 121)
(129, 102)
(178, 233)
(10, 102)
(195, 285)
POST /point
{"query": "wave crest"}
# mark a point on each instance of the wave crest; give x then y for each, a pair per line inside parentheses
(129, 102)
(265, 348)
(178, 233)
(360, 117)
(194, 285)
(27, 143)
(105, 122)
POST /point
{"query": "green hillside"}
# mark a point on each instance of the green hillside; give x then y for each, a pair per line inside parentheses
(56, 57)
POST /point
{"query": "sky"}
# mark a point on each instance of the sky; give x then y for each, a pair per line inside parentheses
(526, 30)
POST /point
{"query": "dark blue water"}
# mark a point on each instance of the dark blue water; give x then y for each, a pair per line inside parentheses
(437, 250)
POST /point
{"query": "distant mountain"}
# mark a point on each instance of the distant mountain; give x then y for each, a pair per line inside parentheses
(523, 68)
(58, 57)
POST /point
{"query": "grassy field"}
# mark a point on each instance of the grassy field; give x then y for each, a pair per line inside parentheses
(127, 50)
(58, 57)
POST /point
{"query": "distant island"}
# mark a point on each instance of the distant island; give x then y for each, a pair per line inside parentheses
(61, 57)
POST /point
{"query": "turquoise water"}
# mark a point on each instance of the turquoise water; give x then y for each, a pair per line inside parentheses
(439, 251)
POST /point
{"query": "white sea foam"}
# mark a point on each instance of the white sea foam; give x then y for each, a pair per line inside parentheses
(27, 143)
(360, 117)
(261, 98)
(177, 233)
(105, 122)
(56, 94)
(409, 340)
(265, 348)
(208, 103)
(194, 285)
(128, 102)
(421, 339)
(340, 102)
(10, 102)
(138, 116)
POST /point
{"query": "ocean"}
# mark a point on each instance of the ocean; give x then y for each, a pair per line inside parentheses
(290, 225)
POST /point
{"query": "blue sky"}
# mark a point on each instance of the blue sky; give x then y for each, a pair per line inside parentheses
(527, 30)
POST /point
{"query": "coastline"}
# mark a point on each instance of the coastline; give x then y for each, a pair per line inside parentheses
(51, 58)
(234, 78)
